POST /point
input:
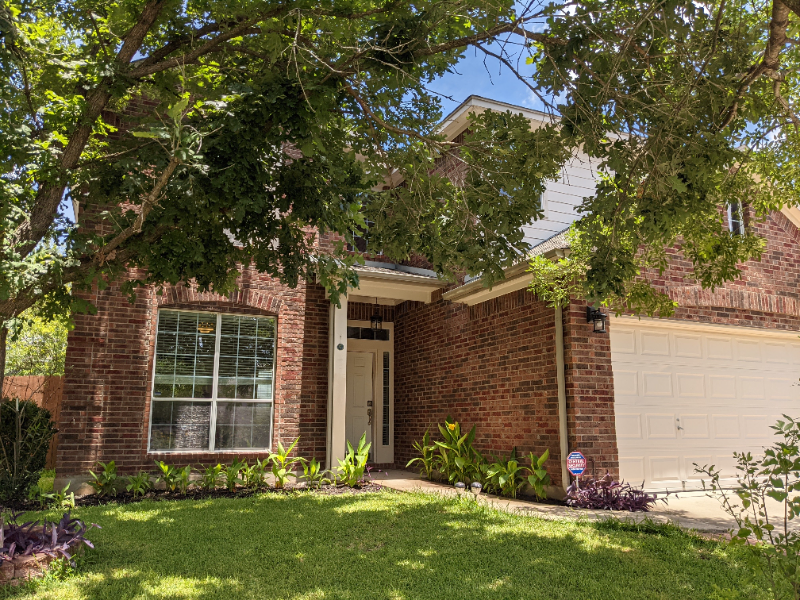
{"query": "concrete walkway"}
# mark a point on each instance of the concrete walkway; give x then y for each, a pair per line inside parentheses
(691, 510)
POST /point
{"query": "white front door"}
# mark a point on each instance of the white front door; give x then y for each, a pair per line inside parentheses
(689, 394)
(360, 405)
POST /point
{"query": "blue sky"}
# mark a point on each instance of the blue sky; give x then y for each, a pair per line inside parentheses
(491, 80)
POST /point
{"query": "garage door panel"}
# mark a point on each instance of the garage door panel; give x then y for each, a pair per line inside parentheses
(695, 427)
(782, 389)
(725, 427)
(691, 385)
(757, 427)
(719, 348)
(688, 346)
(629, 426)
(633, 468)
(748, 351)
(665, 469)
(656, 384)
(660, 426)
(696, 396)
(627, 382)
(752, 387)
(655, 344)
(624, 342)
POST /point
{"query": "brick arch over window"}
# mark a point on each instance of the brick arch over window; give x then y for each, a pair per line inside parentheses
(179, 295)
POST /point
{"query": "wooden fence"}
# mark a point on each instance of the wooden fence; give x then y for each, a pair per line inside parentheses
(46, 392)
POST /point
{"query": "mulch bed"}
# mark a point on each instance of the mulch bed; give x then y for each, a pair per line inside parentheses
(124, 497)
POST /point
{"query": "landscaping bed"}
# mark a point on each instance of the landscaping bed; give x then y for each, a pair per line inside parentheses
(382, 545)
(196, 494)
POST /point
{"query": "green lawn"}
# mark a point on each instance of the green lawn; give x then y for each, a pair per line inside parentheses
(384, 545)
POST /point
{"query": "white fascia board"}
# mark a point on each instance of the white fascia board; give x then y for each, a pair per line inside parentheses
(457, 120)
(396, 289)
(793, 214)
(516, 278)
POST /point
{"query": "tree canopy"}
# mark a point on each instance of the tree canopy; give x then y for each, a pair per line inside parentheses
(685, 108)
(196, 137)
(200, 137)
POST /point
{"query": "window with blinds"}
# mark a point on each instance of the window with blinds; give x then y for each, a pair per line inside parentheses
(213, 382)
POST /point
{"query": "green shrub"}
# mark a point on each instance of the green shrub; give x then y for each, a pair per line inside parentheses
(253, 475)
(458, 460)
(25, 434)
(169, 474)
(282, 463)
(313, 474)
(351, 468)
(538, 477)
(139, 484)
(183, 479)
(427, 456)
(764, 505)
(504, 476)
(210, 478)
(232, 474)
(105, 483)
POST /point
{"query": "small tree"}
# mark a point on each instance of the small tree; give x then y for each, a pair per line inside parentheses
(25, 433)
(38, 347)
(766, 531)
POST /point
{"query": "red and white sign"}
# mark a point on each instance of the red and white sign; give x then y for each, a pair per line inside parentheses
(576, 463)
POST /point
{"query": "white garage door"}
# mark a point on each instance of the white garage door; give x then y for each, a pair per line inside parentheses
(689, 394)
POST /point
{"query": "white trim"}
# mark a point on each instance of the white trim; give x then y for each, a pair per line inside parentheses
(631, 321)
(382, 454)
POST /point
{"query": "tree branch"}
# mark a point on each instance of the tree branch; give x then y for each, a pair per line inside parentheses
(45, 207)
(147, 205)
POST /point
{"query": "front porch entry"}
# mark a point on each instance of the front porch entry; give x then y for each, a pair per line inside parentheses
(361, 362)
(370, 389)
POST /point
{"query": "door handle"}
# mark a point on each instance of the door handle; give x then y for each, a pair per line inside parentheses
(369, 416)
(678, 421)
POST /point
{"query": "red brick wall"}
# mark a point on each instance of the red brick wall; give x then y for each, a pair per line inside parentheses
(766, 295)
(105, 411)
(590, 391)
(490, 365)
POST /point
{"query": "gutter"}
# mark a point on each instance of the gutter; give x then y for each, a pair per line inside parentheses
(563, 431)
(511, 273)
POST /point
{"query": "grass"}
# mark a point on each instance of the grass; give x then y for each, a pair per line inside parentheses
(383, 546)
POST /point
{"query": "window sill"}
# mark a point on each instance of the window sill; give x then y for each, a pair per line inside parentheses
(243, 451)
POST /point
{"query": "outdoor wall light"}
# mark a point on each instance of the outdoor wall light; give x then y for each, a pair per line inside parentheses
(376, 320)
(593, 315)
(205, 327)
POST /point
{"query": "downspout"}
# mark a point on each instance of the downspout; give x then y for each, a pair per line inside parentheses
(562, 398)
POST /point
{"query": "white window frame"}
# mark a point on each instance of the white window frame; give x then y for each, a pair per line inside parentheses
(740, 219)
(212, 429)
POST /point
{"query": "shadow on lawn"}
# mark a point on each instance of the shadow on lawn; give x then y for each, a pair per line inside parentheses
(382, 546)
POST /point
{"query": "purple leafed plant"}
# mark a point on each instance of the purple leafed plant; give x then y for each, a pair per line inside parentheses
(54, 539)
(607, 494)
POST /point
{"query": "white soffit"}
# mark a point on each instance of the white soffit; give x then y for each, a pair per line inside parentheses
(793, 214)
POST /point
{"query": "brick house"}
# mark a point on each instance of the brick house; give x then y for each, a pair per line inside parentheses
(198, 378)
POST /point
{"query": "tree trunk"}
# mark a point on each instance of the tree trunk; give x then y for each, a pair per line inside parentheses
(3, 336)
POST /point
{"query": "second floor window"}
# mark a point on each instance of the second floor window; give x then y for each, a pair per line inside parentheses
(736, 218)
(361, 240)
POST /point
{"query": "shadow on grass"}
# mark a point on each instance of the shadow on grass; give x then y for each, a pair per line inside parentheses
(384, 545)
